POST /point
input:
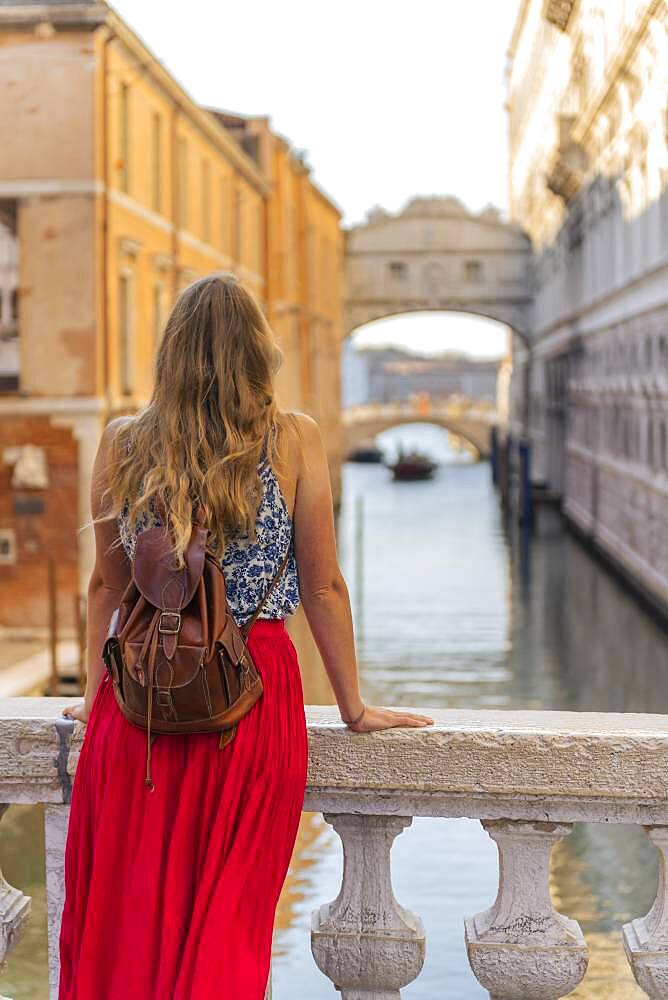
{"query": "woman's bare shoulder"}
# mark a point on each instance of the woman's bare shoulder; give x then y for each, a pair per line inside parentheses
(301, 433)
(105, 447)
(297, 418)
(302, 426)
(116, 423)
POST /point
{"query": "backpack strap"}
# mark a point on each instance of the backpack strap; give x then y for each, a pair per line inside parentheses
(198, 521)
(246, 627)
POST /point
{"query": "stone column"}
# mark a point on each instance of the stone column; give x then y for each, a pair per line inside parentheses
(364, 941)
(14, 912)
(646, 938)
(56, 818)
(521, 948)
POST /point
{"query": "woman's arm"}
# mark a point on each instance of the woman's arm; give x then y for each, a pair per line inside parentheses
(323, 590)
(110, 576)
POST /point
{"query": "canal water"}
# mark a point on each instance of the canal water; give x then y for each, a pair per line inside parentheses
(454, 613)
(450, 611)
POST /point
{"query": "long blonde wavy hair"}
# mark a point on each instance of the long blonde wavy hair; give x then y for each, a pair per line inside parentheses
(201, 434)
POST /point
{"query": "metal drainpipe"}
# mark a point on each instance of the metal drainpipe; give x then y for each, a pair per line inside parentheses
(176, 193)
(106, 367)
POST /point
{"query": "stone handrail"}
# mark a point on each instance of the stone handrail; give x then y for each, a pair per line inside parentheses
(528, 776)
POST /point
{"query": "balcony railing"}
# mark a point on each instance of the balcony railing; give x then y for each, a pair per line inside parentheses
(527, 776)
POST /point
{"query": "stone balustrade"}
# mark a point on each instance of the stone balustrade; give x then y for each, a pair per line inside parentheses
(527, 776)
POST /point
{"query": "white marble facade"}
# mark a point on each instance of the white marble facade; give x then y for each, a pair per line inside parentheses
(588, 100)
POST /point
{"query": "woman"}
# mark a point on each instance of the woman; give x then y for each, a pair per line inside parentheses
(172, 895)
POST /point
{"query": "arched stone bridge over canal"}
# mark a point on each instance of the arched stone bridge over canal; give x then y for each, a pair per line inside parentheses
(468, 420)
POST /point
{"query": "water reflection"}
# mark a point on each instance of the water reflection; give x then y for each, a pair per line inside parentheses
(459, 614)
(455, 614)
(22, 863)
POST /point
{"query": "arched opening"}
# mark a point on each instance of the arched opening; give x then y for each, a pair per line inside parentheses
(435, 331)
(479, 314)
(444, 445)
(448, 369)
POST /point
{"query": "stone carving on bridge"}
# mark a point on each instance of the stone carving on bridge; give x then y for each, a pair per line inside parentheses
(448, 206)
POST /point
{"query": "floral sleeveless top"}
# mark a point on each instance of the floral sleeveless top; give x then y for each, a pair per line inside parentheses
(249, 567)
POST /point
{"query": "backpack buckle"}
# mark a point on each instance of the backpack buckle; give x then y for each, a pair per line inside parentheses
(175, 616)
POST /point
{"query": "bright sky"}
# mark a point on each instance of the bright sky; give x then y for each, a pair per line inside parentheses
(389, 100)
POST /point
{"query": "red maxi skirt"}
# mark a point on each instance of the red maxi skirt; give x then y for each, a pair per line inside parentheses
(171, 894)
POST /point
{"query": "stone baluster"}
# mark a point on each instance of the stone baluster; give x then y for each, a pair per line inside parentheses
(521, 948)
(56, 818)
(646, 938)
(364, 941)
(14, 912)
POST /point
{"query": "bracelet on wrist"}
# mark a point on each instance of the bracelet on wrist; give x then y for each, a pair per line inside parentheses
(353, 722)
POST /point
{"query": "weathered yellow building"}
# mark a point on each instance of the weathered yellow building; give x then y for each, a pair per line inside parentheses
(116, 190)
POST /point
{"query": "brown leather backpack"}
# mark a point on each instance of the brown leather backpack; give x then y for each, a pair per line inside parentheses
(177, 659)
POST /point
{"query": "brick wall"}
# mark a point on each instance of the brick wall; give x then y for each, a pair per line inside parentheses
(23, 586)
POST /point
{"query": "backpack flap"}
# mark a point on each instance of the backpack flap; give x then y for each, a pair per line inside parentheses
(155, 572)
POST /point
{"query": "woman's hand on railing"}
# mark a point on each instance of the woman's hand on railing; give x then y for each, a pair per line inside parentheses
(80, 711)
(375, 717)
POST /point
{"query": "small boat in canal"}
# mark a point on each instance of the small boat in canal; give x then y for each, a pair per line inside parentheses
(368, 453)
(411, 466)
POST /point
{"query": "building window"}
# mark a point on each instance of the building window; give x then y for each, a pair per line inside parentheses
(158, 298)
(473, 270)
(397, 269)
(260, 236)
(124, 137)
(125, 318)
(7, 547)
(225, 213)
(182, 184)
(651, 457)
(237, 218)
(206, 201)
(9, 301)
(156, 140)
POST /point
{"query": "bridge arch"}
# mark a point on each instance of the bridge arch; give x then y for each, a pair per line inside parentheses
(436, 256)
(472, 424)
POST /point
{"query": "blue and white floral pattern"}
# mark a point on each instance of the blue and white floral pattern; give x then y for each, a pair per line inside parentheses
(249, 567)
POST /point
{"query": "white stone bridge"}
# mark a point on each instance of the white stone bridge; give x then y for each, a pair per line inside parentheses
(471, 421)
(527, 776)
(435, 255)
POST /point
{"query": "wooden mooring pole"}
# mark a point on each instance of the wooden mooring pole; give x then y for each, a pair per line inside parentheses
(80, 611)
(359, 562)
(52, 598)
